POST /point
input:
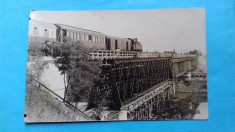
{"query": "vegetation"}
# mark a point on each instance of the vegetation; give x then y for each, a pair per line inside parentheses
(80, 74)
(40, 105)
(183, 106)
(174, 109)
(195, 52)
(35, 62)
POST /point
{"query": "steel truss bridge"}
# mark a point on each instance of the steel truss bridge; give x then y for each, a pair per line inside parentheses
(137, 81)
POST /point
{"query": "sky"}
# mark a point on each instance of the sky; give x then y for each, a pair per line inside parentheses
(179, 29)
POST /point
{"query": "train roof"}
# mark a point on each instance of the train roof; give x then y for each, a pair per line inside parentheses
(76, 28)
(115, 37)
(41, 23)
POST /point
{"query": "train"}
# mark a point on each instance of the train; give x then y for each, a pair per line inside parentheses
(51, 33)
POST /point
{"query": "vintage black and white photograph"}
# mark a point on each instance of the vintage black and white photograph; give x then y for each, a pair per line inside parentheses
(116, 65)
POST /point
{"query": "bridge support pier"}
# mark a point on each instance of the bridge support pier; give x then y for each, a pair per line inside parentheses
(122, 115)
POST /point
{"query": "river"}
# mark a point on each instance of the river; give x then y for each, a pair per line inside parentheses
(202, 111)
(52, 77)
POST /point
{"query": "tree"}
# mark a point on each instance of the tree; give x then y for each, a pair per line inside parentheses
(62, 63)
(80, 74)
(195, 52)
(174, 109)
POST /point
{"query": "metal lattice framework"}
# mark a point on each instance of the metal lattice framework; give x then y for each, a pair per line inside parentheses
(128, 79)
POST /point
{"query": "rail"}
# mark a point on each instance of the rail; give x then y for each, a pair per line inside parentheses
(40, 84)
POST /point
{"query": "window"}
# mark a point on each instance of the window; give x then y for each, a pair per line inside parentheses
(116, 44)
(64, 32)
(46, 34)
(127, 46)
(90, 38)
(35, 31)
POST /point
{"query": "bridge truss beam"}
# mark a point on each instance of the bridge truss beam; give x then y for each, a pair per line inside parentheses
(141, 108)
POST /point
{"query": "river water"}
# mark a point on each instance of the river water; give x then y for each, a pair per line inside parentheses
(202, 111)
(53, 78)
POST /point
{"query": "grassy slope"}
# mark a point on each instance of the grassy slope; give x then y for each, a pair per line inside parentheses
(41, 106)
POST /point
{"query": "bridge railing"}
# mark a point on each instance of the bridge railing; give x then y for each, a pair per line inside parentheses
(183, 55)
(106, 54)
(148, 55)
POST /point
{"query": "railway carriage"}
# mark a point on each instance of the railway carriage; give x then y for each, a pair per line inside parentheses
(40, 32)
(91, 39)
(114, 43)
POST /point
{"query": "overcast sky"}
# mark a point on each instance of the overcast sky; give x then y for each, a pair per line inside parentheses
(157, 29)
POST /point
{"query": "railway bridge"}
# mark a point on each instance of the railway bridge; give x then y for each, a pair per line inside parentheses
(137, 81)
